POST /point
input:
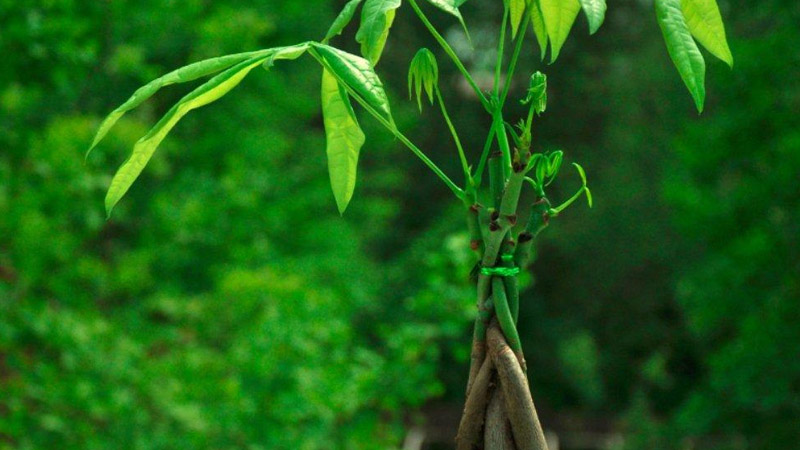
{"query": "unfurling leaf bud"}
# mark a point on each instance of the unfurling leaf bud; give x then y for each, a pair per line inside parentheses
(537, 93)
(423, 73)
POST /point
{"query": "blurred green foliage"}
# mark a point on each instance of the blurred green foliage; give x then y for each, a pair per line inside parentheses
(227, 305)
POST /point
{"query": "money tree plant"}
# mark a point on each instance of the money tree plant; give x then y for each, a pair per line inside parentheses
(499, 412)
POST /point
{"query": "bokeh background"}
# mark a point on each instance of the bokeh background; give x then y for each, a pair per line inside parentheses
(227, 305)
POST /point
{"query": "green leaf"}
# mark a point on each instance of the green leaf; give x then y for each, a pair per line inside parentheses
(286, 53)
(682, 48)
(344, 139)
(559, 15)
(423, 72)
(451, 7)
(705, 23)
(342, 20)
(537, 93)
(209, 92)
(595, 11)
(376, 20)
(184, 74)
(516, 9)
(539, 29)
(358, 74)
(586, 190)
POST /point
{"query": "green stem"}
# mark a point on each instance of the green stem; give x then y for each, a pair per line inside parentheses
(500, 50)
(474, 227)
(511, 283)
(478, 177)
(459, 193)
(449, 50)
(461, 155)
(502, 141)
(540, 218)
(515, 57)
(496, 180)
(504, 315)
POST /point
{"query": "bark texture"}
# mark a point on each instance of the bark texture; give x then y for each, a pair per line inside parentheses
(528, 433)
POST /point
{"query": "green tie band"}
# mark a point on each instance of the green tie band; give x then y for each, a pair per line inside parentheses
(501, 271)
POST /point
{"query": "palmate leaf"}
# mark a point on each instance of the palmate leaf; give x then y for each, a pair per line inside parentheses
(358, 75)
(423, 73)
(705, 24)
(595, 11)
(344, 139)
(376, 20)
(184, 74)
(342, 20)
(682, 48)
(207, 93)
(559, 16)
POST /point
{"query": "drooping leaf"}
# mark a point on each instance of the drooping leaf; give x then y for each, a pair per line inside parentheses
(539, 29)
(209, 92)
(342, 20)
(516, 9)
(286, 53)
(344, 139)
(682, 48)
(376, 20)
(705, 23)
(184, 74)
(595, 11)
(423, 72)
(451, 7)
(586, 190)
(358, 75)
(559, 16)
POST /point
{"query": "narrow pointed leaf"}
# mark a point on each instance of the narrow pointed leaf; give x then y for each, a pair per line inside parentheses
(682, 48)
(184, 74)
(705, 23)
(359, 76)
(146, 146)
(342, 20)
(559, 16)
(344, 139)
(516, 9)
(376, 20)
(537, 21)
(595, 11)
(451, 7)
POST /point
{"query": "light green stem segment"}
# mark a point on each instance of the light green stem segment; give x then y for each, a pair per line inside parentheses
(496, 180)
(449, 50)
(474, 227)
(461, 155)
(500, 50)
(504, 315)
(515, 57)
(511, 283)
(459, 193)
(487, 147)
(502, 141)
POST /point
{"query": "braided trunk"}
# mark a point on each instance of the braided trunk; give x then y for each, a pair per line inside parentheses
(499, 413)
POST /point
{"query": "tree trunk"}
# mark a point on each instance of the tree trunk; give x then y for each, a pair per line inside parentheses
(499, 413)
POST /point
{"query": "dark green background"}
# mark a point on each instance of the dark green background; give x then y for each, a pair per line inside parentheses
(227, 305)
